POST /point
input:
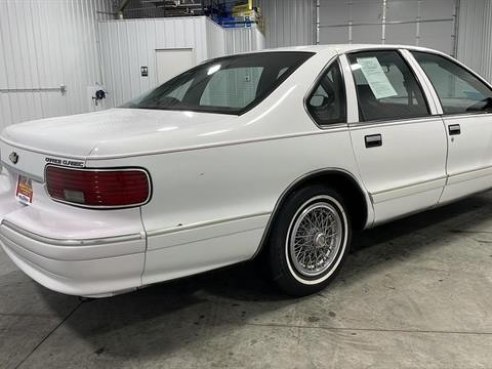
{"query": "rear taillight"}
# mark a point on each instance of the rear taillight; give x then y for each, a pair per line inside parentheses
(98, 187)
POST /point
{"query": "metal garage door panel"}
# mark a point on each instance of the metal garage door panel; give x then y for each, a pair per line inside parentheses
(437, 9)
(399, 11)
(363, 11)
(367, 34)
(401, 33)
(437, 35)
(334, 35)
(334, 13)
(424, 23)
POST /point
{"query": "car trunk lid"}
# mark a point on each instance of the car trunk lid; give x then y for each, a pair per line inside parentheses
(27, 148)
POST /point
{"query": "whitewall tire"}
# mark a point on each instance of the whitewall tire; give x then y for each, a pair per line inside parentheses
(309, 241)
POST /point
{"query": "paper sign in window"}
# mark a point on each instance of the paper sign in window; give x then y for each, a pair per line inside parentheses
(380, 85)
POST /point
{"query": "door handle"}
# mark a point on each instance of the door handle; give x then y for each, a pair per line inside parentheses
(373, 140)
(454, 129)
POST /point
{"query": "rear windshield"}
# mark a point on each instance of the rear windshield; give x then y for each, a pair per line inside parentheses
(228, 85)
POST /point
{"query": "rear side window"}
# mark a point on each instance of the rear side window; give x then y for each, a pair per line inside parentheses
(459, 90)
(386, 87)
(327, 103)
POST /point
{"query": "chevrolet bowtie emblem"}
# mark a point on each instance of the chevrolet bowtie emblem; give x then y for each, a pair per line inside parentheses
(14, 158)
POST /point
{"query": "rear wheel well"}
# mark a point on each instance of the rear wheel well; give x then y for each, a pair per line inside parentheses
(348, 188)
(343, 183)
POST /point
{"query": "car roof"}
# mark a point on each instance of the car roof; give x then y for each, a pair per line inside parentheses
(346, 48)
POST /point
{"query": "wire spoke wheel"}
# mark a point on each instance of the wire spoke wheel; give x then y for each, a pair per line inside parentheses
(314, 238)
(310, 240)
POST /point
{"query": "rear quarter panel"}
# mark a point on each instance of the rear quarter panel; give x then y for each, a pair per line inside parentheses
(210, 206)
(211, 203)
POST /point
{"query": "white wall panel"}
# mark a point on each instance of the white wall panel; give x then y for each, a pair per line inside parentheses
(44, 44)
(240, 40)
(475, 35)
(487, 50)
(288, 22)
(215, 40)
(127, 45)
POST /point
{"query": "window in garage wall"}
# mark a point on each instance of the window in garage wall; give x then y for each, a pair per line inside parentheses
(429, 23)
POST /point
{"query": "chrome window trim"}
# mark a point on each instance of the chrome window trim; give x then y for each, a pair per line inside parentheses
(394, 122)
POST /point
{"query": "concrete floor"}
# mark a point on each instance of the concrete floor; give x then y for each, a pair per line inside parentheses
(416, 293)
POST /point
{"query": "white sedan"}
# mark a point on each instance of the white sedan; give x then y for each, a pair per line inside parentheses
(280, 153)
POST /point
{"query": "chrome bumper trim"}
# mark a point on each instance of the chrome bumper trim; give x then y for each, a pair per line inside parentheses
(61, 242)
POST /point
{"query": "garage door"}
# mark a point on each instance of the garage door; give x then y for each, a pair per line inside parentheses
(429, 23)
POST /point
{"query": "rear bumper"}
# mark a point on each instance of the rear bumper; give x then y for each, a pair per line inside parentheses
(71, 250)
(95, 267)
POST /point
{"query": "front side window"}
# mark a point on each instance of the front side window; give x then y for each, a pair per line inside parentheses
(386, 87)
(327, 103)
(458, 90)
(228, 85)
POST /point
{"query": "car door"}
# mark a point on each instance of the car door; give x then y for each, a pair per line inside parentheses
(466, 102)
(398, 140)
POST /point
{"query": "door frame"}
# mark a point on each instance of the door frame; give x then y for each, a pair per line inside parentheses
(404, 196)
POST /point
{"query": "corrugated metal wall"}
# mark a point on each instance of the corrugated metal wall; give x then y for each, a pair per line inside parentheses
(127, 45)
(45, 44)
(226, 41)
(288, 22)
(215, 40)
(486, 69)
(241, 40)
(475, 36)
